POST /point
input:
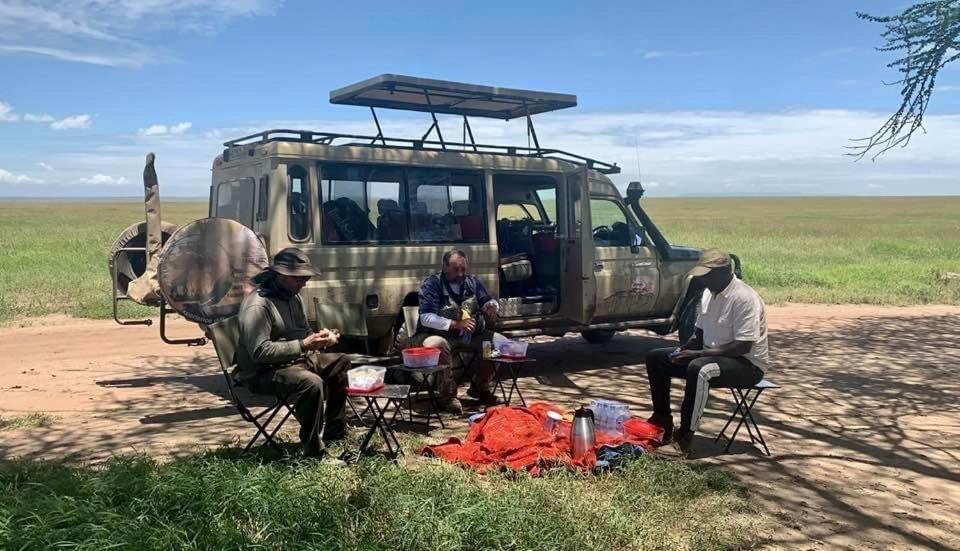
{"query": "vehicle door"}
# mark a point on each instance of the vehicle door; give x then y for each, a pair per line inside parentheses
(625, 264)
(578, 293)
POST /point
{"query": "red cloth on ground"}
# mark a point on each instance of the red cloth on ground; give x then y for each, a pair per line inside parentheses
(514, 437)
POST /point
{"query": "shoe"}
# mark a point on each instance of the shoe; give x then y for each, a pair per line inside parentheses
(666, 423)
(485, 397)
(684, 441)
(335, 433)
(451, 405)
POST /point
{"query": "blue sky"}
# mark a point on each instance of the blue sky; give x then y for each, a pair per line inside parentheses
(707, 97)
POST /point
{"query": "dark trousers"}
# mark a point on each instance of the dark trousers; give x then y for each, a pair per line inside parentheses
(305, 384)
(700, 375)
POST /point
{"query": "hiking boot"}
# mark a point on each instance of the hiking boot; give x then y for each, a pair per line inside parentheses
(451, 405)
(666, 423)
(684, 441)
(334, 433)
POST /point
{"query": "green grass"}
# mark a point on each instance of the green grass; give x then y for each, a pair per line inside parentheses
(53, 256)
(829, 250)
(28, 421)
(217, 501)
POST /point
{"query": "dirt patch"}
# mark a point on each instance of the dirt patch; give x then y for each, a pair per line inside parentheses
(864, 431)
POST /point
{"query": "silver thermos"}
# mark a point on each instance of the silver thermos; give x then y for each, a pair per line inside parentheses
(583, 436)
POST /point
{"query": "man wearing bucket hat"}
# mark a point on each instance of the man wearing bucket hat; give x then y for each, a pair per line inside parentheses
(280, 354)
(728, 349)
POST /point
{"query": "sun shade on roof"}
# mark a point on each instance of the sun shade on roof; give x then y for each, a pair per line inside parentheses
(453, 98)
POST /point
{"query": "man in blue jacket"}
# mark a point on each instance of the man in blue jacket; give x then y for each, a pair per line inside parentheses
(455, 313)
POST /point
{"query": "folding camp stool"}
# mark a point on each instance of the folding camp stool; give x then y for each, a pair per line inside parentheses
(226, 335)
(429, 385)
(514, 365)
(391, 395)
(745, 398)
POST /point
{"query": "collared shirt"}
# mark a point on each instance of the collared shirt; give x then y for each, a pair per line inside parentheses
(735, 314)
(434, 296)
(271, 329)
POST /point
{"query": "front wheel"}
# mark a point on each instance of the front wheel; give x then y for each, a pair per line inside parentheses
(597, 336)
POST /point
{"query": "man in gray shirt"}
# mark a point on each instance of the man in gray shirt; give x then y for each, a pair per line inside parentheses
(280, 354)
(728, 349)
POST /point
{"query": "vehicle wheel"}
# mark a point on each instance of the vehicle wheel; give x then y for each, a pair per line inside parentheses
(597, 336)
(688, 319)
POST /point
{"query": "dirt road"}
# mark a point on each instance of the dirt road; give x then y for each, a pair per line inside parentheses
(865, 431)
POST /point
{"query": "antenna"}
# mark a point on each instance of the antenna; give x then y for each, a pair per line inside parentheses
(636, 141)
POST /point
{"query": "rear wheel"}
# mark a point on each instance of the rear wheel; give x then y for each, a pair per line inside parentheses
(595, 336)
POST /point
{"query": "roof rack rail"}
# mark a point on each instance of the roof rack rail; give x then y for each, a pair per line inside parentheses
(330, 138)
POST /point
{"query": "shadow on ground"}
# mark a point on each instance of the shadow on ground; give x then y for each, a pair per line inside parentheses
(865, 431)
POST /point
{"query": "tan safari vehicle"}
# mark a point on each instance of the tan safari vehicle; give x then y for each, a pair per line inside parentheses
(546, 231)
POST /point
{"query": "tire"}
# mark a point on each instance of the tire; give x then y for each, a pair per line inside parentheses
(688, 318)
(597, 336)
(131, 265)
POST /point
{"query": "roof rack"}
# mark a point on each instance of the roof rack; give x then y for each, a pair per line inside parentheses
(331, 138)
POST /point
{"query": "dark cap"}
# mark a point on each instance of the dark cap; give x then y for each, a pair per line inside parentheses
(290, 262)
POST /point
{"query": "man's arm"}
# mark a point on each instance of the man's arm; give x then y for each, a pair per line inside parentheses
(255, 324)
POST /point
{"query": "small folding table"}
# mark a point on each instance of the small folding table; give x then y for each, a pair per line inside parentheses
(379, 402)
(514, 366)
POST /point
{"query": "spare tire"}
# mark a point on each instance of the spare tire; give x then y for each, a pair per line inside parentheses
(131, 265)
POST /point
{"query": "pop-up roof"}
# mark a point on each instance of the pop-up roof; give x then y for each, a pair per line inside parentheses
(453, 98)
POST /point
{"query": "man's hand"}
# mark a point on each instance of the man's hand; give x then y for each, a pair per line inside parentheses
(323, 338)
(684, 356)
(464, 326)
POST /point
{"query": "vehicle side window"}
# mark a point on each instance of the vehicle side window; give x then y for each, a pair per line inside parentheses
(235, 200)
(298, 201)
(362, 204)
(263, 199)
(445, 206)
(518, 211)
(611, 226)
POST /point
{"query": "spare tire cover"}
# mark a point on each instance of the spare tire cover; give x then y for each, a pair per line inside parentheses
(206, 268)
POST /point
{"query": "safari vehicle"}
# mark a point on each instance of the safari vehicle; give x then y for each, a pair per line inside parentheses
(547, 231)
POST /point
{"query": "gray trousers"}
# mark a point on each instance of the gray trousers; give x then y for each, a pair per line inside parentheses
(481, 377)
(317, 388)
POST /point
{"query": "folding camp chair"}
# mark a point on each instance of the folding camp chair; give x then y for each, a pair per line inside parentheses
(745, 398)
(226, 336)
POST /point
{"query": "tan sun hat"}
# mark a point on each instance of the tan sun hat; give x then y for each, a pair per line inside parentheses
(712, 259)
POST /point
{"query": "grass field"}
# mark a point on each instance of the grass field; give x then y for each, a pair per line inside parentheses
(837, 250)
(218, 501)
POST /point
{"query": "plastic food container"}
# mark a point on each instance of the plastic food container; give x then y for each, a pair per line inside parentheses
(366, 378)
(512, 349)
(421, 357)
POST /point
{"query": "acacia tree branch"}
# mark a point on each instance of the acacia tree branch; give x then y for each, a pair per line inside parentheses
(928, 37)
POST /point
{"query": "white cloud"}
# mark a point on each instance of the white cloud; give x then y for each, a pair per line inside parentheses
(7, 114)
(104, 180)
(72, 122)
(178, 129)
(658, 54)
(31, 117)
(7, 177)
(89, 31)
(108, 59)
